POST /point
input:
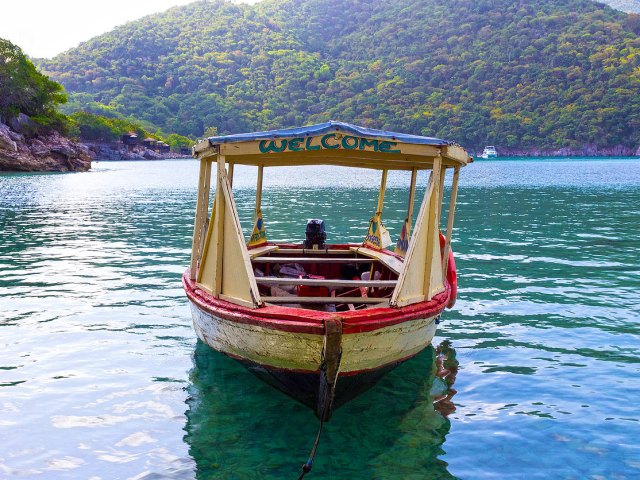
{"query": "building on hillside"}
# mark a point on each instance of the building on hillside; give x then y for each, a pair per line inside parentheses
(130, 140)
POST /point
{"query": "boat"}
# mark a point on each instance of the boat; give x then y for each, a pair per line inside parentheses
(489, 152)
(322, 321)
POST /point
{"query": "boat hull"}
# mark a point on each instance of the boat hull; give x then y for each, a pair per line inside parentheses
(290, 360)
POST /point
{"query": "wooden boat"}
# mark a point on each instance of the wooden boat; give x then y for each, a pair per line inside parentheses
(322, 322)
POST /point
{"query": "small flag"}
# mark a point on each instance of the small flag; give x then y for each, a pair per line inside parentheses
(373, 238)
(258, 235)
(403, 242)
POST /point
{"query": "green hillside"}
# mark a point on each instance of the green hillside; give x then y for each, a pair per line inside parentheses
(547, 73)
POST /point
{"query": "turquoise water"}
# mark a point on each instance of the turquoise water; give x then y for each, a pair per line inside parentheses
(537, 372)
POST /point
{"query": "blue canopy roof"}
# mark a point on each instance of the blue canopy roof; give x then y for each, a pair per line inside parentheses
(331, 126)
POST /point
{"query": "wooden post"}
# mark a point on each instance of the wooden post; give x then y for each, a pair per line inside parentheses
(219, 218)
(443, 174)
(230, 174)
(383, 188)
(259, 189)
(432, 225)
(412, 196)
(202, 207)
(452, 209)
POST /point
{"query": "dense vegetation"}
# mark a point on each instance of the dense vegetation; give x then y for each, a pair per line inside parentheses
(90, 127)
(531, 73)
(25, 90)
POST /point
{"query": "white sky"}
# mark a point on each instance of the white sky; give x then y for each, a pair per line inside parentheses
(44, 28)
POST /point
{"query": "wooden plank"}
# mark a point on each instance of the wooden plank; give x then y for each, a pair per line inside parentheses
(326, 300)
(433, 272)
(310, 260)
(410, 287)
(383, 188)
(259, 189)
(258, 251)
(207, 241)
(412, 196)
(443, 174)
(392, 263)
(252, 147)
(308, 251)
(219, 240)
(452, 209)
(230, 175)
(238, 280)
(325, 283)
(202, 205)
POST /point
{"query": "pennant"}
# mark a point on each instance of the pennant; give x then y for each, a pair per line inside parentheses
(258, 235)
(403, 241)
(374, 235)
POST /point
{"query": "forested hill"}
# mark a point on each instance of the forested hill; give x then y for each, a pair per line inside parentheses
(526, 74)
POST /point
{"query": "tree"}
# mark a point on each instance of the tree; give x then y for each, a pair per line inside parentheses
(25, 90)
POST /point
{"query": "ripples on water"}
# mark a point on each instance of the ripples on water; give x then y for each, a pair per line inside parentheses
(101, 377)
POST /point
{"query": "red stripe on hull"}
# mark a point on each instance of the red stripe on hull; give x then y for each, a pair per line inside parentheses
(301, 320)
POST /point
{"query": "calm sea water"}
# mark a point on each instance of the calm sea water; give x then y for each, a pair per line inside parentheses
(536, 370)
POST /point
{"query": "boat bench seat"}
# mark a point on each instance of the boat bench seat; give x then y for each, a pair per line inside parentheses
(327, 300)
(311, 260)
(317, 282)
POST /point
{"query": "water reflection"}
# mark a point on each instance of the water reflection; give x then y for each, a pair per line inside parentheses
(238, 426)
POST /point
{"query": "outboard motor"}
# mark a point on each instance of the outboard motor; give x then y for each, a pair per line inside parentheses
(315, 234)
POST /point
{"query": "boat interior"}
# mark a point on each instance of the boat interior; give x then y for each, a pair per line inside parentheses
(335, 278)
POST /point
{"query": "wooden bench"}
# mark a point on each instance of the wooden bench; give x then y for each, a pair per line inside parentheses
(315, 282)
(311, 260)
(327, 300)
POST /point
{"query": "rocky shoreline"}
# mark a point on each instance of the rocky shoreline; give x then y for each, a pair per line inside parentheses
(50, 152)
(584, 151)
(116, 151)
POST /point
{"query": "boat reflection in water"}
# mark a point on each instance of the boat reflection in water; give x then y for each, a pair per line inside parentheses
(239, 428)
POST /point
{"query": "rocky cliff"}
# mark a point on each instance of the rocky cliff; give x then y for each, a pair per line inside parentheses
(116, 151)
(50, 152)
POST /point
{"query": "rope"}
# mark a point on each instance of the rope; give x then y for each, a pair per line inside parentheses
(306, 467)
(331, 356)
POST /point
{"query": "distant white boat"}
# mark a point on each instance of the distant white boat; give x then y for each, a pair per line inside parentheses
(489, 152)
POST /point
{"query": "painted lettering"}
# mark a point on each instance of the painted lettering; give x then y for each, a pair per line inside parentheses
(330, 141)
(386, 147)
(294, 144)
(364, 143)
(270, 146)
(349, 142)
(308, 145)
(325, 144)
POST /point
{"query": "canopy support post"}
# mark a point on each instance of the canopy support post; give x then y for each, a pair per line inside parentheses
(202, 207)
(383, 188)
(230, 174)
(259, 189)
(219, 240)
(452, 209)
(432, 228)
(412, 196)
(443, 173)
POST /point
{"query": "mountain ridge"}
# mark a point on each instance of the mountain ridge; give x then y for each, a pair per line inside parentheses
(543, 75)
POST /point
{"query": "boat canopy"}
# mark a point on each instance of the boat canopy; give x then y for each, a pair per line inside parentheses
(333, 143)
(419, 260)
